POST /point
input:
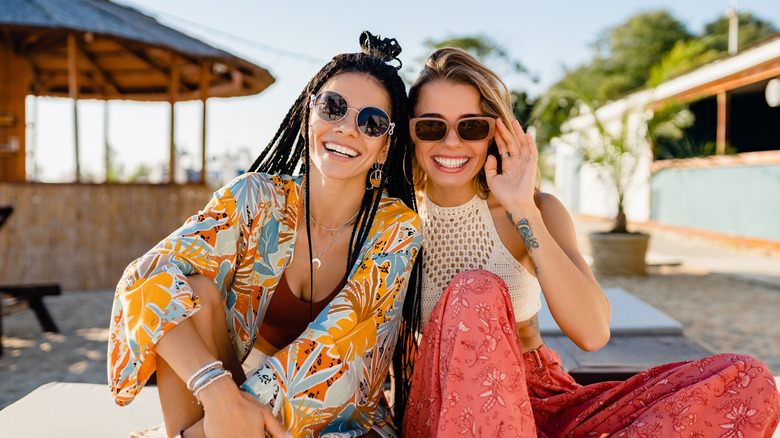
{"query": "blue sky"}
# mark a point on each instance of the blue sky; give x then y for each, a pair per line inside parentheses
(294, 39)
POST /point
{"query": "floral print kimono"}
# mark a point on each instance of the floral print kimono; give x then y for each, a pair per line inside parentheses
(328, 381)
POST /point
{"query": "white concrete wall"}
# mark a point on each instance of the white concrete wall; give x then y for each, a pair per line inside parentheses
(584, 188)
(567, 164)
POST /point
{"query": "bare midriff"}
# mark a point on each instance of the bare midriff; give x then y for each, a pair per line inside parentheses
(528, 334)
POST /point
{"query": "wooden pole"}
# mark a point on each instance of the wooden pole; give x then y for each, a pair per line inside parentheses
(106, 146)
(73, 92)
(34, 138)
(173, 91)
(722, 131)
(14, 86)
(205, 73)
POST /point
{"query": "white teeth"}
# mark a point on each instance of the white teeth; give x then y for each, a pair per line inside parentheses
(340, 150)
(450, 162)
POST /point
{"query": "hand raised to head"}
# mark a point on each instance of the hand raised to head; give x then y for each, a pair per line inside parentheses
(514, 187)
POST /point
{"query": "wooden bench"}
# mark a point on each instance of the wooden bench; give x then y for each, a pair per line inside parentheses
(642, 337)
(31, 293)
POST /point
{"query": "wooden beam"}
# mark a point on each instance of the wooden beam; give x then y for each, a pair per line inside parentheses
(142, 57)
(42, 83)
(28, 40)
(14, 85)
(722, 132)
(748, 76)
(205, 79)
(156, 66)
(173, 91)
(73, 91)
(104, 78)
(41, 44)
(7, 38)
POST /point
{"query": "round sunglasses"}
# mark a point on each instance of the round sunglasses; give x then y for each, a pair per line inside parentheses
(468, 128)
(371, 121)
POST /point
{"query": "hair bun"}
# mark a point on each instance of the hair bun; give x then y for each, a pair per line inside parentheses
(386, 49)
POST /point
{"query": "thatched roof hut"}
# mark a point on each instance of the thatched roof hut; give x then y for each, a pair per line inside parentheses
(96, 49)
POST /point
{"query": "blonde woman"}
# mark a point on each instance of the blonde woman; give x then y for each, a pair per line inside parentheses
(493, 244)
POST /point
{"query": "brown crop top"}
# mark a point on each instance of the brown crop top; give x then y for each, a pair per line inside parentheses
(288, 316)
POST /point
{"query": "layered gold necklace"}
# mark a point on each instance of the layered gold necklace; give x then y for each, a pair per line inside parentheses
(316, 259)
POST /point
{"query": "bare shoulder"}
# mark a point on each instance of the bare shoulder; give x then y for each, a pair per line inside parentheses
(548, 202)
(559, 224)
(555, 215)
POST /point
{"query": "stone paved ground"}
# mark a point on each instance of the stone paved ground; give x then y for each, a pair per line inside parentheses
(725, 292)
(723, 314)
(76, 354)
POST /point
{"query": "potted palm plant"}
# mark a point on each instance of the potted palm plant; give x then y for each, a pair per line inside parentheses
(615, 157)
(615, 154)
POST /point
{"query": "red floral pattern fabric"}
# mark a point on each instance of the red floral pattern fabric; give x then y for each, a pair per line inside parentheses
(471, 380)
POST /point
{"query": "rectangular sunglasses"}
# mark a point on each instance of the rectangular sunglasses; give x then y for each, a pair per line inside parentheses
(436, 129)
(332, 107)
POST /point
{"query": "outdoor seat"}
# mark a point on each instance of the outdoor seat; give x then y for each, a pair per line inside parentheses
(31, 293)
(79, 410)
(642, 337)
(86, 410)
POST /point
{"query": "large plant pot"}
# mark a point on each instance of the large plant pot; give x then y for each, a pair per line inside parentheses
(619, 253)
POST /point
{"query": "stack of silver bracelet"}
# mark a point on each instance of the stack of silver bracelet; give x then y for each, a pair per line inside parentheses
(205, 376)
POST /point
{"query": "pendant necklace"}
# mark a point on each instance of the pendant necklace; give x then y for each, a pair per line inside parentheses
(317, 256)
(341, 228)
(335, 228)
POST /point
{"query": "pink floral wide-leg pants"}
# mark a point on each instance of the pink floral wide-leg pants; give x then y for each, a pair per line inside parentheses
(471, 380)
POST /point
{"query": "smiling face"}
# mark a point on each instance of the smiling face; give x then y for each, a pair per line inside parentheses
(451, 164)
(339, 151)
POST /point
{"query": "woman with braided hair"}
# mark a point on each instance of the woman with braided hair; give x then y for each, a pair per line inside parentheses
(493, 244)
(311, 270)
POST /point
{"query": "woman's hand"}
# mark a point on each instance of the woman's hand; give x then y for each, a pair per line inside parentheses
(232, 413)
(514, 187)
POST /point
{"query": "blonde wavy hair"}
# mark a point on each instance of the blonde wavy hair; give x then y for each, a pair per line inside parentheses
(458, 65)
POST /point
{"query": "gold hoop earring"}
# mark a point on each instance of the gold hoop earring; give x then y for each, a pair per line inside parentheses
(375, 177)
(403, 169)
(304, 154)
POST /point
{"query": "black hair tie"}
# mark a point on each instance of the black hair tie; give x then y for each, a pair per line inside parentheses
(386, 49)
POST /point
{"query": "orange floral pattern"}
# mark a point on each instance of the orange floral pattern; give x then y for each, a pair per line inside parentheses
(330, 378)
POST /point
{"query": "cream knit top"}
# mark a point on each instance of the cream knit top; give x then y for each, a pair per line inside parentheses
(464, 237)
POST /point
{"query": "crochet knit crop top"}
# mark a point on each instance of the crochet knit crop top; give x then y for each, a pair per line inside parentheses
(464, 237)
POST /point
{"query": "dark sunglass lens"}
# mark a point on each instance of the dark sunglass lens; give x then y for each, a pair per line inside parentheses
(473, 129)
(330, 106)
(430, 130)
(373, 122)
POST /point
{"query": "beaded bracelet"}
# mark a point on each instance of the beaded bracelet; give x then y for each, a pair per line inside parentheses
(203, 370)
(205, 377)
(202, 384)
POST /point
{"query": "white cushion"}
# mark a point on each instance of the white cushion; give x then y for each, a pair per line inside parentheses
(84, 410)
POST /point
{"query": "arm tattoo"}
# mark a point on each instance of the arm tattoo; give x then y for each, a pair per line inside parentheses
(524, 228)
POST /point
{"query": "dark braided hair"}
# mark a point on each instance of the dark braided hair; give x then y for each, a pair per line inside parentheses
(291, 142)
